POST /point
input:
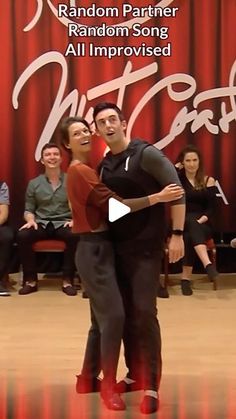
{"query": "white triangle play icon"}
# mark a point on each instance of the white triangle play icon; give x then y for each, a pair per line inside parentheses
(116, 209)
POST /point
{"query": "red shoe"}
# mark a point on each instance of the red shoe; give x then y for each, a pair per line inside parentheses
(149, 405)
(113, 401)
(123, 387)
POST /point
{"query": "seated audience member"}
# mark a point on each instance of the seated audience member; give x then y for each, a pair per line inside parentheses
(6, 237)
(200, 192)
(48, 216)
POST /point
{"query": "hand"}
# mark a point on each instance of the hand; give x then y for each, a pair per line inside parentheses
(179, 165)
(29, 224)
(203, 219)
(68, 224)
(171, 193)
(176, 248)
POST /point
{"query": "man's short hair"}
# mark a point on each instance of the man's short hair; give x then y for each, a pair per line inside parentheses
(48, 146)
(107, 105)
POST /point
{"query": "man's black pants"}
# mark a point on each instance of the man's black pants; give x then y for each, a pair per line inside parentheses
(138, 275)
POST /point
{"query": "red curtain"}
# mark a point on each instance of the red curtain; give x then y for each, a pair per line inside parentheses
(202, 63)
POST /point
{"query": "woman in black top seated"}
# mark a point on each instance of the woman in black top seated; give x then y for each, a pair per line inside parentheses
(200, 193)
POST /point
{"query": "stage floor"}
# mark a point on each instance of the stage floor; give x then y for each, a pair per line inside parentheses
(42, 342)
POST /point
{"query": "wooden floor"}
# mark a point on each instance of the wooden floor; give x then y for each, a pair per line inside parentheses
(42, 343)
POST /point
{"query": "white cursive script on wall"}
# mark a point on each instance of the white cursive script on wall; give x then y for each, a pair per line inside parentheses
(72, 3)
(76, 102)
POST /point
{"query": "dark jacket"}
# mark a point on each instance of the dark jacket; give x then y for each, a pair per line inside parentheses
(123, 174)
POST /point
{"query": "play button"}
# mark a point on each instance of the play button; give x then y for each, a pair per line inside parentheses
(116, 209)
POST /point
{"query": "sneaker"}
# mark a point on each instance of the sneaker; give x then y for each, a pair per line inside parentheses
(69, 290)
(149, 405)
(4, 292)
(186, 287)
(87, 385)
